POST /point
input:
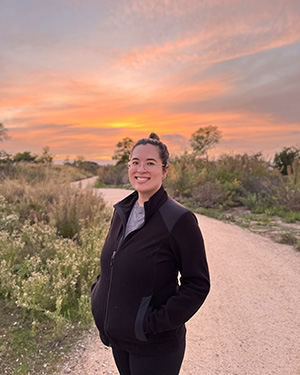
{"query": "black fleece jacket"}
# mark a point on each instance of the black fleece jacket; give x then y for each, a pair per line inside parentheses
(137, 303)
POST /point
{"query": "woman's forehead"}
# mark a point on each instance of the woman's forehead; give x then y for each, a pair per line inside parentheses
(146, 151)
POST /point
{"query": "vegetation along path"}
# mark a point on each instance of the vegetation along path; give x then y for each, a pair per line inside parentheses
(250, 322)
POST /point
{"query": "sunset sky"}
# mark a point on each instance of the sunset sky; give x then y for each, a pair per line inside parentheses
(80, 75)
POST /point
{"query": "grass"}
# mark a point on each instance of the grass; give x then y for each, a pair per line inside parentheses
(288, 238)
(31, 346)
(49, 232)
(51, 236)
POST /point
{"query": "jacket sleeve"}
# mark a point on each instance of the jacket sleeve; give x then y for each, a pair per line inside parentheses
(188, 248)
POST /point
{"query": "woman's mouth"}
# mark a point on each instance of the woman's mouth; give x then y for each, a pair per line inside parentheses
(142, 179)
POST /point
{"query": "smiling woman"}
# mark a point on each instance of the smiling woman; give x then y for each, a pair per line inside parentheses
(138, 304)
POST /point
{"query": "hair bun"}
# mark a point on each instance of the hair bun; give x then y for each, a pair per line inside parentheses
(154, 136)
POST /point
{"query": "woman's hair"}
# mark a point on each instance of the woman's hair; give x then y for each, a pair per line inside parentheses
(154, 140)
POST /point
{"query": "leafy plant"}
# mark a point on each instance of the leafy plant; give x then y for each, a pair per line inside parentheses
(284, 160)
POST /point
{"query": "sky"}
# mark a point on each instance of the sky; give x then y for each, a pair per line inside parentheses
(78, 76)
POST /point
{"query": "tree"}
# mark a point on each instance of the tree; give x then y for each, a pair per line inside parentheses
(284, 160)
(78, 160)
(25, 156)
(3, 136)
(122, 153)
(3, 133)
(89, 166)
(46, 157)
(204, 139)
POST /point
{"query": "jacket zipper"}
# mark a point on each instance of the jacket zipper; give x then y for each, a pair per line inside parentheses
(112, 258)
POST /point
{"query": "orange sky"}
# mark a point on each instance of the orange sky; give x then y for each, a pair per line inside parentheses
(78, 76)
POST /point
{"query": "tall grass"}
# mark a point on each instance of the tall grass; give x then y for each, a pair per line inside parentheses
(51, 236)
(50, 240)
(32, 173)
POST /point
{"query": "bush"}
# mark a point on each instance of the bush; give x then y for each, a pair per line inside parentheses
(235, 180)
(74, 210)
(208, 195)
(54, 276)
(184, 175)
(113, 175)
(50, 241)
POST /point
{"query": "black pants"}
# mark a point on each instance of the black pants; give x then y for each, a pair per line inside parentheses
(132, 364)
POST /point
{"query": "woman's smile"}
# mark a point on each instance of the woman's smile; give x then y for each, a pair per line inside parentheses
(142, 179)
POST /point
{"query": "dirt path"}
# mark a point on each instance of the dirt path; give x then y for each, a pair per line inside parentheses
(250, 322)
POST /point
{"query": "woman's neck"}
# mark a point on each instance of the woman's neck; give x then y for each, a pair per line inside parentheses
(141, 201)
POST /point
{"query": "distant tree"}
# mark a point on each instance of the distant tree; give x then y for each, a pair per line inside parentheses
(67, 161)
(204, 139)
(78, 160)
(284, 160)
(25, 156)
(3, 133)
(4, 157)
(46, 157)
(122, 153)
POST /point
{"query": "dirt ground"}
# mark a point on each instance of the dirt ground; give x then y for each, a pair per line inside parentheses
(250, 322)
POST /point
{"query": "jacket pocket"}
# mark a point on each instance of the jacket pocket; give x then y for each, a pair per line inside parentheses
(139, 321)
(126, 311)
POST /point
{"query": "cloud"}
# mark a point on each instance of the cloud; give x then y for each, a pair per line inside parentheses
(81, 75)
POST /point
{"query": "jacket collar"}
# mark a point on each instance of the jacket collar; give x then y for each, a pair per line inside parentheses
(124, 207)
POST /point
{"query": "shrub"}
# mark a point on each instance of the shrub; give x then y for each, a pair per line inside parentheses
(208, 195)
(74, 210)
(48, 274)
(184, 174)
(49, 259)
(288, 192)
(113, 175)
(285, 159)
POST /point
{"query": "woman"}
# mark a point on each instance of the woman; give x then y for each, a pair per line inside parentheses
(137, 303)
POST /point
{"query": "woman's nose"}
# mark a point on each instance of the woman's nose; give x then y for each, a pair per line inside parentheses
(142, 166)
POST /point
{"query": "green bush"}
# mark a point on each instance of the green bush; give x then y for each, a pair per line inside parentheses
(51, 236)
(288, 193)
(112, 175)
(208, 195)
(184, 175)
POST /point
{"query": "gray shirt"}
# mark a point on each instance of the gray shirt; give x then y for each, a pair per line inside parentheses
(136, 218)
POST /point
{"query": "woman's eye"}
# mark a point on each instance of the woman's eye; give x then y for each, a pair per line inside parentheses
(134, 162)
(150, 164)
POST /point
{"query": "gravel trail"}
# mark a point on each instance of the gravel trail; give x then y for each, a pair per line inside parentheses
(250, 322)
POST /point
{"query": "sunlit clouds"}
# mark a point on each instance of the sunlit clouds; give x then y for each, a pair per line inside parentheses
(78, 76)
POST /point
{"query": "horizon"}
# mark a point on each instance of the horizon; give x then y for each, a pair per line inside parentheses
(79, 76)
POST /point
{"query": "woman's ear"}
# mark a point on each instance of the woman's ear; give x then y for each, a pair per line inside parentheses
(165, 171)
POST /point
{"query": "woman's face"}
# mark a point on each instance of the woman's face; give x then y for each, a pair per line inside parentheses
(146, 171)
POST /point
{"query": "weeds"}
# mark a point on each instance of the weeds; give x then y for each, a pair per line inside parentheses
(236, 180)
(288, 238)
(50, 241)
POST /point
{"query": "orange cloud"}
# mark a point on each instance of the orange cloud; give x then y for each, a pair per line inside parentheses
(167, 66)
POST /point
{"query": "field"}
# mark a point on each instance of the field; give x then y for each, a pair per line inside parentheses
(51, 235)
(50, 241)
